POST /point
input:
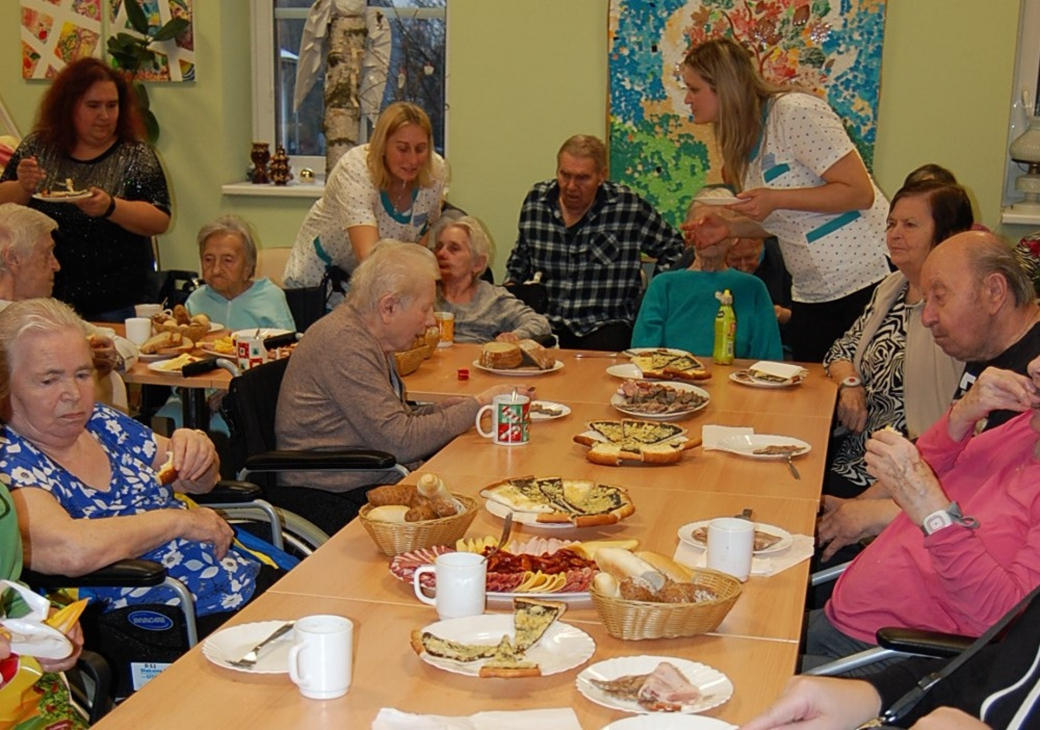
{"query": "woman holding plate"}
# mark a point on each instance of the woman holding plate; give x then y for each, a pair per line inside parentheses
(88, 135)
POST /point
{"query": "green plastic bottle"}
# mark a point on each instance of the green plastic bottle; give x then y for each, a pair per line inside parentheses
(725, 329)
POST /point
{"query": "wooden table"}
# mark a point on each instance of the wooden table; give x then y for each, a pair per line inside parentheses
(756, 645)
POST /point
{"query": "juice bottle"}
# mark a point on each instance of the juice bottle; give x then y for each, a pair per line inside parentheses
(725, 329)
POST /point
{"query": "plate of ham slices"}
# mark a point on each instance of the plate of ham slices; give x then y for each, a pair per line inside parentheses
(645, 684)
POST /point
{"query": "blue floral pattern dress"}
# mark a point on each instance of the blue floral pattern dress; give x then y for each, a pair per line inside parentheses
(217, 585)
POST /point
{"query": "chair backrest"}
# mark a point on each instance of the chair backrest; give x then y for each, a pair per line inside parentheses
(307, 305)
(249, 409)
(270, 262)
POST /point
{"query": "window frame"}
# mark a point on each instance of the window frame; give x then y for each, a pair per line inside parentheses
(263, 62)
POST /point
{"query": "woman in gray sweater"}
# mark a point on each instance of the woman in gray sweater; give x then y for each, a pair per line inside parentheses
(483, 311)
(342, 390)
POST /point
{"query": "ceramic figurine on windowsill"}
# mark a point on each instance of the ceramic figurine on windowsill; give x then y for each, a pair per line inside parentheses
(260, 155)
(280, 171)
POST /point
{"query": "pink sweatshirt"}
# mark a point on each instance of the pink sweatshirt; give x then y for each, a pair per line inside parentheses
(956, 580)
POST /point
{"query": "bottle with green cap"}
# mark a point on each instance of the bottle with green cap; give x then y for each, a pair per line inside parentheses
(725, 329)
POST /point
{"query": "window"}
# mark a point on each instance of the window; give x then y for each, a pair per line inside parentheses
(416, 72)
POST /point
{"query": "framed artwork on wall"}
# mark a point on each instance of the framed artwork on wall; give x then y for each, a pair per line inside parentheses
(830, 48)
(175, 57)
(56, 32)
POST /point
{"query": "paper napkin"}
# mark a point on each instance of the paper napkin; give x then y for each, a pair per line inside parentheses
(783, 370)
(712, 436)
(559, 718)
(802, 548)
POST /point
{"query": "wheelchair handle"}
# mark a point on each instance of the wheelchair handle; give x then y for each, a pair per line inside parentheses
(208, 365)
(281, 340)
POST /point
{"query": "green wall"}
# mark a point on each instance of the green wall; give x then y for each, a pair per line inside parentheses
(525, 75)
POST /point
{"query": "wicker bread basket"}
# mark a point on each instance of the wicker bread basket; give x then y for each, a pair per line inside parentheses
(394, 538)
(625, 619)
(432, 339)
(408, 361)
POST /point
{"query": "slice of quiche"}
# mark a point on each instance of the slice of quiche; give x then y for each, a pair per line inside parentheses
(648, 432)
(532, 618)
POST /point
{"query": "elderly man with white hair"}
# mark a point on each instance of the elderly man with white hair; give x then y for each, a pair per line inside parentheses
(341, 388)
(27, 268)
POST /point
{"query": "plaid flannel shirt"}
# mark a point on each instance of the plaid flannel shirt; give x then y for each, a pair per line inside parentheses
(591, 271)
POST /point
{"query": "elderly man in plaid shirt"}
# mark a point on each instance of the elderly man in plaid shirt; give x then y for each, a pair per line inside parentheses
(584, 235)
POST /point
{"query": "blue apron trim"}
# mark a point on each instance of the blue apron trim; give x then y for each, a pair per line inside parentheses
(322, 253)
(776, 171)
(831, 226)
(758, 142)
(402, 218)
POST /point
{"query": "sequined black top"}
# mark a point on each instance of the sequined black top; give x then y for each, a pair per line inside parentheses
(103, 266)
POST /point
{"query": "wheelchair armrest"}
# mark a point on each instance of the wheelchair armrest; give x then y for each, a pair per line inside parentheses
(343, 460)
(230, 492)
(125, 573)
(925, 643)
(92, 695)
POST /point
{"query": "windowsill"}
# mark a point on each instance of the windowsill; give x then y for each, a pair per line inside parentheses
(293, 190)
(1011, 216)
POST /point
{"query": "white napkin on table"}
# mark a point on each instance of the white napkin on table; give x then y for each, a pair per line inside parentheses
(558, 718)
(802, 548)
(783, 370)
(712, 436)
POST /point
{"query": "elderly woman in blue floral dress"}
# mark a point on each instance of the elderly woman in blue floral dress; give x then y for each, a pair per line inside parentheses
(84, 477)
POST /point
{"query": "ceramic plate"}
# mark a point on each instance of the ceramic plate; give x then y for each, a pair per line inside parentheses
(562, 647)
(518, 372)
(215, 326)
(234, 643)
(686, 535)
(618, 401)
(715, 687)
(30, 638)
(157, 367)
(62, 198)
(669, 721)
(559, 410)
(719, 200)
(525, 518)
(264, 332)
(625, 371)
(744, 377)
(747, 445)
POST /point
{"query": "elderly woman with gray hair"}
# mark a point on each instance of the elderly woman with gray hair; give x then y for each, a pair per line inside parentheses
(227, 254)
(482, 311)
(341, 388)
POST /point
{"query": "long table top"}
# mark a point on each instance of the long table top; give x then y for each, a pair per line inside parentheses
(756, 645)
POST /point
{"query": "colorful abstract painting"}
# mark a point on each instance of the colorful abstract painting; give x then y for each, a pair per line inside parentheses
(176, 58)
(832, 47)
(55, 32)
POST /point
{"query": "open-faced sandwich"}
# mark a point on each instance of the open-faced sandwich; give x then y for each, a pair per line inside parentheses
(525, 355)
(580, 502)
(665, 689)
(614, 442)
(645, 398)
(506, 659)
(665, 364)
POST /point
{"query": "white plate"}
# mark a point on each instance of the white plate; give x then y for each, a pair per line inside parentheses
(686, 535)
(625, 371)
(263, 332)
(670, 721)
(746, 378)
(234, 643)
(215, 326)
(30, 638)
(562, 647)
(618, 401)
(715, 687)
(525, 518)
(745, 445)
(719, 200)
(564, 410)
(80, 195)
(157, 367)
(518, 372)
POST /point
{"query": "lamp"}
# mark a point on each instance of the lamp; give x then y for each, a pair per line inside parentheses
(1026, 149)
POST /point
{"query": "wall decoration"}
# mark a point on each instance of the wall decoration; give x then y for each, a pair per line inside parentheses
(176, 57)
(55, 32)
(831, 47)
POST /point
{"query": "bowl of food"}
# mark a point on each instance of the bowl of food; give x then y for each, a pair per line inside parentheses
(649, 596)
(404, 517)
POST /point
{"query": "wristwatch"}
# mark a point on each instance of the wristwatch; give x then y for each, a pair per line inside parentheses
(850, 382)
(950, 515)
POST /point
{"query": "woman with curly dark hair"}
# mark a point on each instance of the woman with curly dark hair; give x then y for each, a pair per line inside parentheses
(85, 165)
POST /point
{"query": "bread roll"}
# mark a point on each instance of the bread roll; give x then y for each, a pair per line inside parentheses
(605, 584)
(665, 565)
(388, 513)
(161, 341)
(624, 564)
(501, 356)
(537, 355)
(432, 486)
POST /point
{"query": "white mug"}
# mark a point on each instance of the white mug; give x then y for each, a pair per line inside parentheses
(461, 584)
(731, 541)
(138, 329)
(146, 310)
(510, 420)
(321, 655)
